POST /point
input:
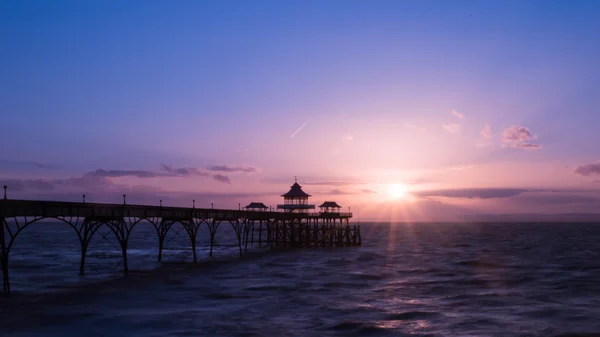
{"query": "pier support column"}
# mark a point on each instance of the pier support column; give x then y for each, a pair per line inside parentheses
(122, 231)
(191, 228)
(4, 250)
(248, 227)
(260, 229)
(161, 229)
(238, 226)
(212, 229)
(85, 233)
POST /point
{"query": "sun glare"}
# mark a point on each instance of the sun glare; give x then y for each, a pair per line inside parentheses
(396, 191)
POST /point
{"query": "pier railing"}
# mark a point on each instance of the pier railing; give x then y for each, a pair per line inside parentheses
(12, 208)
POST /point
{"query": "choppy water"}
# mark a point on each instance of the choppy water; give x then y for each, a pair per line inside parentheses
(420, 279)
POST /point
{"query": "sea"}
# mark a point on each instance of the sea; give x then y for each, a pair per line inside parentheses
(408, 279)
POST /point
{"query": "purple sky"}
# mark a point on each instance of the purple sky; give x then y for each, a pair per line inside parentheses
(406, 110)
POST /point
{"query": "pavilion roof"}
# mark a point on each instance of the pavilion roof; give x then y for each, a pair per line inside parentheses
(257, 205)
(330, 204)
(295, 191)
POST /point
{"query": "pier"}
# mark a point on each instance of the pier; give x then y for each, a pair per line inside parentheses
(294, 224)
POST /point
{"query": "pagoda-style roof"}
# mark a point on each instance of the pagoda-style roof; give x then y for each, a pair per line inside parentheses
(296, 192)
(255, 205)
(330, 204)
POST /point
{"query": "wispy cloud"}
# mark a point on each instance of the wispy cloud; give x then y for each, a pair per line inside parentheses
(471, 193)
(15, 164)
(486, 132)
(452, 127)
(486, 135)
(519, 137)
(300, 128)
(457, 114)
(232, 168)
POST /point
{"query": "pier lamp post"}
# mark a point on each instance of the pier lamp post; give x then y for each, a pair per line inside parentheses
(212, 206)
(83, 195)
(239, 206)
(124, 196)
(160, 202)
(5, 187)
(193, 203)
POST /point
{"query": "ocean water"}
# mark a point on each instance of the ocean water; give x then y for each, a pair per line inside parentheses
(405, 280)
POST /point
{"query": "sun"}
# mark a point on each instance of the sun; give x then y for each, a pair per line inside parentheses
(396, 191)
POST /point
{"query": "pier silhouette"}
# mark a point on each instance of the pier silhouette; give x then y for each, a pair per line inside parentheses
(254, 225)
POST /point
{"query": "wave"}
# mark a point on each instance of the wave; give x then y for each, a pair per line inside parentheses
(359, 328)
(412, 315)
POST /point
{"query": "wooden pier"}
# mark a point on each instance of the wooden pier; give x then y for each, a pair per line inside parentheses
(255, 225)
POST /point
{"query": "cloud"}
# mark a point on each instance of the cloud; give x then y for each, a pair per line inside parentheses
(517, 133)
(452, 127)
(528, 146)
(100, 178)
(339, 192)
(183, 171)
(486, 132)
(587, 170)
(368, 191)
(222, 178)
(519, 137)
(557, 199)
(124, 173)
(230, 168)
(457, 114)
(15, 164)
(471, 193)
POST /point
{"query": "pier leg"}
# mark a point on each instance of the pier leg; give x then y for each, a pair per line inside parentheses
(192, 229)
(162, 229)
(247, 226)
(122, 231)
(85, 233)
(260, 233)
(4, 257)
(212, 228)
(238, 228)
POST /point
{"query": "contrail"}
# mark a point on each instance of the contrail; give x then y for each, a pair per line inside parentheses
(300, 128)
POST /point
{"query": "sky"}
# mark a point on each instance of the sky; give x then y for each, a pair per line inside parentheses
(399, 110)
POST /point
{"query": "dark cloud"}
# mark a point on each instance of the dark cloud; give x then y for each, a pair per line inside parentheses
(100, 178)
(45, 166)
(183, 171)
(230, 168)
(528, 146)
(221, 178)
(472, 193)
(15, 164)
(124, 173)
(367, 190)
(557, 199)
(587, 170)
